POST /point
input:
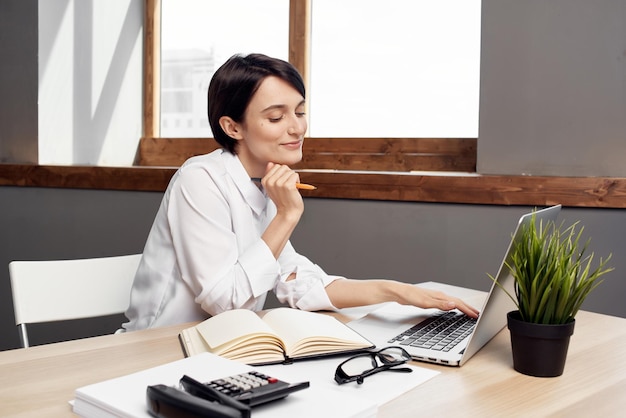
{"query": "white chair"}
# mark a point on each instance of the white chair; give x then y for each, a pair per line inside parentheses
(60, 290)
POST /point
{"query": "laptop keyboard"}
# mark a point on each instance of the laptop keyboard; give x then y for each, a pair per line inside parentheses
(440, 332)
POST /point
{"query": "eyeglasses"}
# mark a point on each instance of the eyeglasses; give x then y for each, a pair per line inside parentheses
(362, 365)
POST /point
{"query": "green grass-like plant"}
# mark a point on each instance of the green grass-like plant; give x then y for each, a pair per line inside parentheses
(553, 276)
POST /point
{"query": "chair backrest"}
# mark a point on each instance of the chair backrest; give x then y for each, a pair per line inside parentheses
(58, 290)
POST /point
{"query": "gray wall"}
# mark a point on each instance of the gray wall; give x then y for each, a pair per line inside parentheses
(412, 242)
(18, 81)
(553, 88)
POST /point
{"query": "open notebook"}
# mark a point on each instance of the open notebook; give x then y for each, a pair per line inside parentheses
(394, 324)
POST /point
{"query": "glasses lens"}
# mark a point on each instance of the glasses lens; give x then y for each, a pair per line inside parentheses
(358, 365)
(393, 355)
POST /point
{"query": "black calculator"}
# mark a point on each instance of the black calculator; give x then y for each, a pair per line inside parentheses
(254, 388)
(229, 397)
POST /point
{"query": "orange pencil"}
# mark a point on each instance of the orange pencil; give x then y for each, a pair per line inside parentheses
(301, 186)
(305, 186)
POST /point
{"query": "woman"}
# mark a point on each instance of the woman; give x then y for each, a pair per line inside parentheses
(220, 239)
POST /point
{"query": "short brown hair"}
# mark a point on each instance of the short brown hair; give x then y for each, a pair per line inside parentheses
(235, 82)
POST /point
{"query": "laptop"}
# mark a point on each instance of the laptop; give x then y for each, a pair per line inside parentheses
(393, 324)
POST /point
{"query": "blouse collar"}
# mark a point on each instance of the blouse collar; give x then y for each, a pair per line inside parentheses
(254, 196)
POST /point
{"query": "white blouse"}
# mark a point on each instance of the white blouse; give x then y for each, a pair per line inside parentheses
(204, 254)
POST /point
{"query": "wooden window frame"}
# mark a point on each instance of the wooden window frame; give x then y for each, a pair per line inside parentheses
(354, 154)
(395, 169)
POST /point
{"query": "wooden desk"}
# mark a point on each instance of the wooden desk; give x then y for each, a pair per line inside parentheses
(39, 381)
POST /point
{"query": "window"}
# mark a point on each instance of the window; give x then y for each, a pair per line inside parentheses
(347, 138)
(399, 69)
(197, 36)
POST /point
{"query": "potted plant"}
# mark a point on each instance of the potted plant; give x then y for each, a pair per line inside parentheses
(552, 278)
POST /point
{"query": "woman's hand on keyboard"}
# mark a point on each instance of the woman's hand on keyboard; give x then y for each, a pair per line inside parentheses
(348, 293)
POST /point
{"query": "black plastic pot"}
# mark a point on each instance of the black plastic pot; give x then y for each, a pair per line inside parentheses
(538, 349)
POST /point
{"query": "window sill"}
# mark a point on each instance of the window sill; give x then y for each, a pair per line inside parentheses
(441, 187)
(86, 177)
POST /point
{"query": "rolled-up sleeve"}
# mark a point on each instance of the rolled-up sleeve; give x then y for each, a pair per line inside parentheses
(307, 291)
(260, 267)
